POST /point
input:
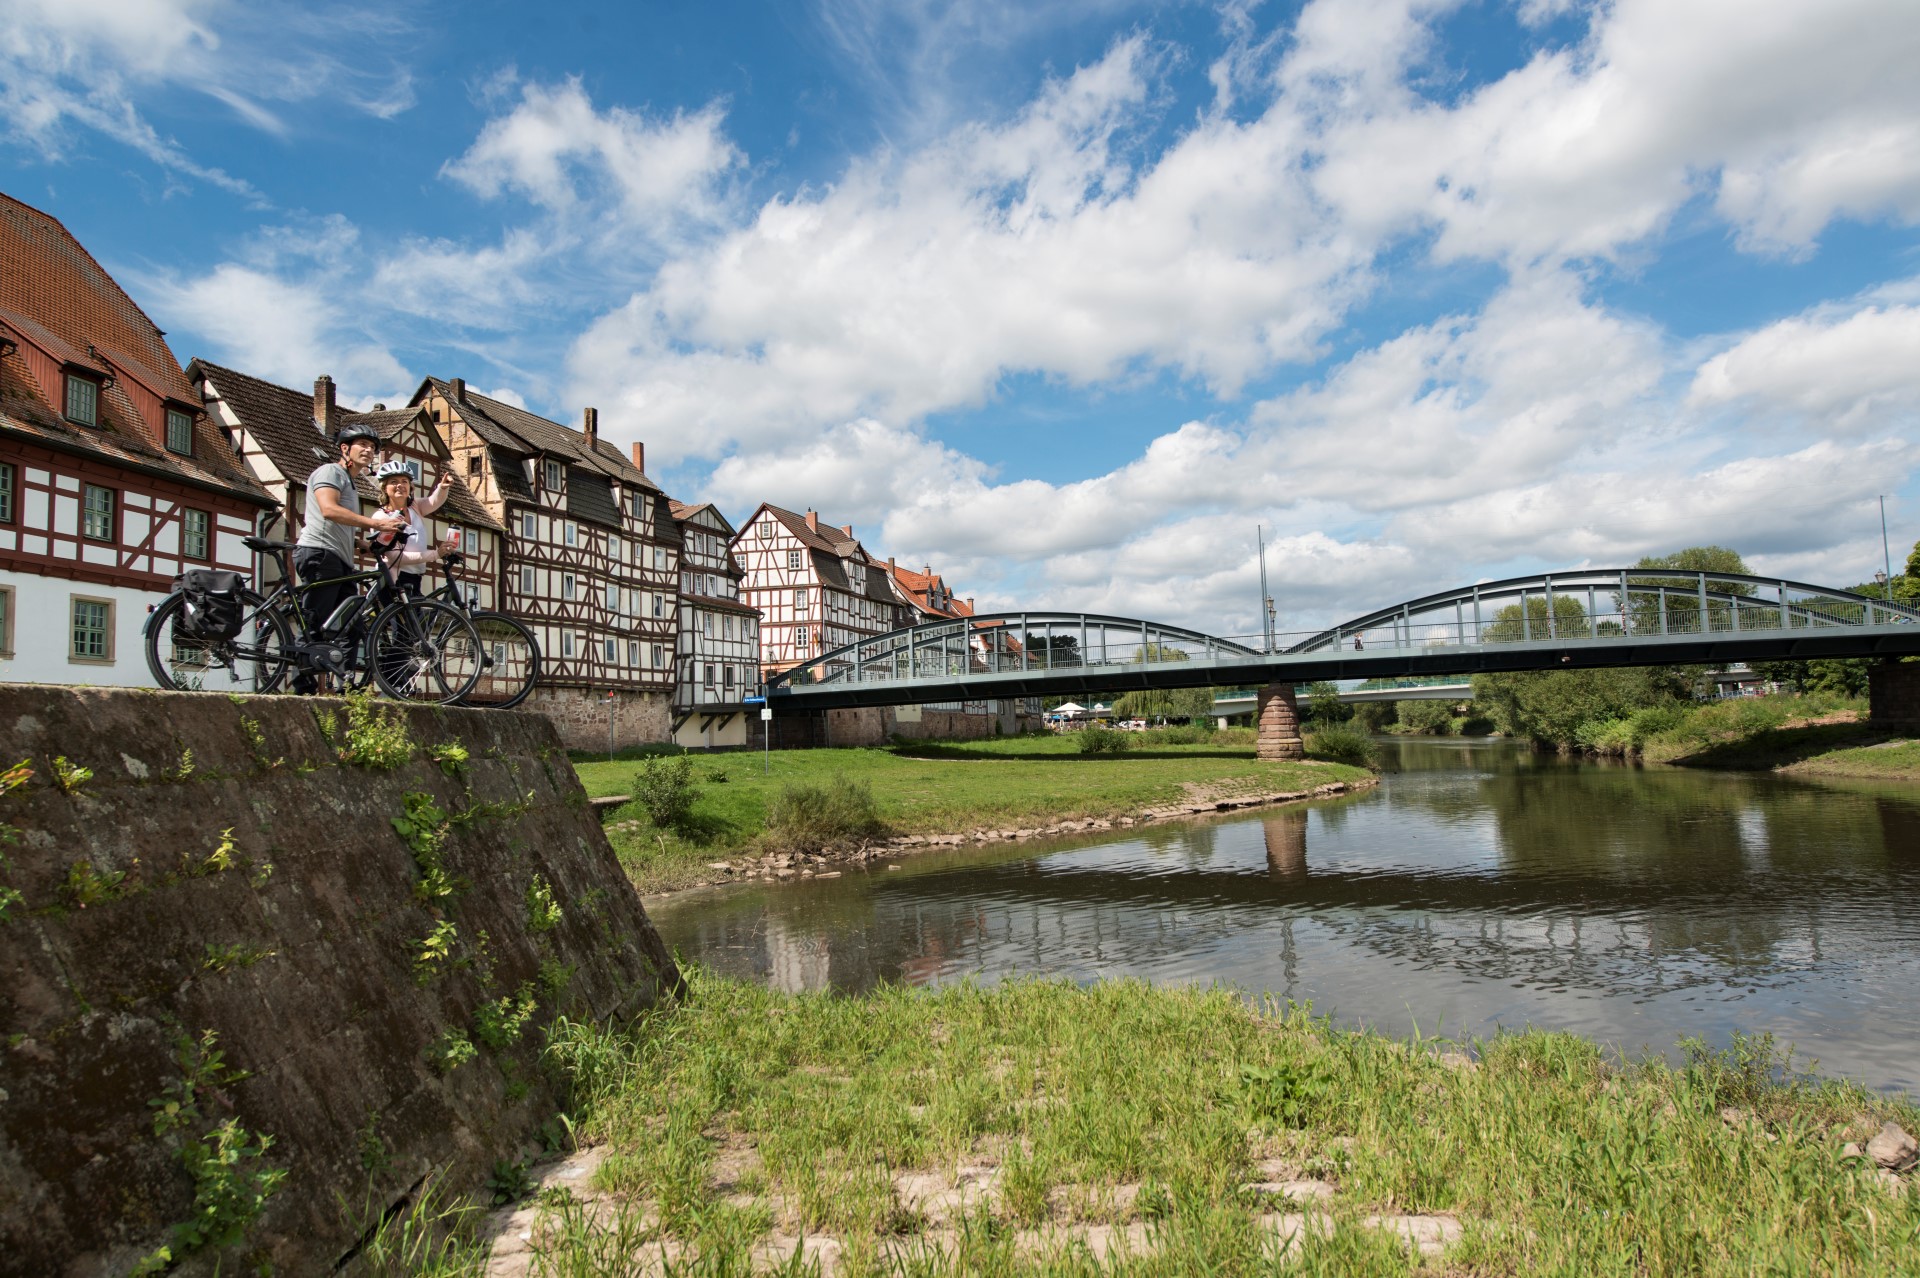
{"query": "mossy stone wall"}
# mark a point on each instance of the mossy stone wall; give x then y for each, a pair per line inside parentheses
(226, 894)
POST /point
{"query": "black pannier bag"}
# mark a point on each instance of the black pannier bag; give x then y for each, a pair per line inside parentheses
(211, 605)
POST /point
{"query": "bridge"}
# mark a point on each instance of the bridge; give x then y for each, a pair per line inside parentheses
(1578, 619)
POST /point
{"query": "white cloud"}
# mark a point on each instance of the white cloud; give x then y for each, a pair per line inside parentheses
(1842, 373)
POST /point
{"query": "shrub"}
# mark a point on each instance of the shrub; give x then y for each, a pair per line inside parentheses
(1234, 737)
(1200, 733)
(664, 786)
(811, 818)
(1338, 743)
(1101, 740)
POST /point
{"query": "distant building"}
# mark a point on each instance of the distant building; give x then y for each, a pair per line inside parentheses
(815, 585)
(282, 434)
(112, 479)
(926, 594)
(717, 661)
(591, 560)
(928, 598)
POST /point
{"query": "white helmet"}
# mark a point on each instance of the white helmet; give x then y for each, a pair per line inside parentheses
(388, 469)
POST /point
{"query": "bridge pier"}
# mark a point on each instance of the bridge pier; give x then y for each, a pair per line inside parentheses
(1893, 696)
(1279, 724)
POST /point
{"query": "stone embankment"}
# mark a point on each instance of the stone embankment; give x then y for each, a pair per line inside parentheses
(831, 862)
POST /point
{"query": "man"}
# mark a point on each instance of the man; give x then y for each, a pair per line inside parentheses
(324, 550)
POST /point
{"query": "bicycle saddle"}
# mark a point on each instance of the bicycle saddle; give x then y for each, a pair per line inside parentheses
(264, 546)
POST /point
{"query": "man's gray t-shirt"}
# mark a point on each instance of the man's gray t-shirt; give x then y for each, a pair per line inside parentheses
(319, 530)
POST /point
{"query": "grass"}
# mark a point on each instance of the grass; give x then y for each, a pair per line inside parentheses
(934, 788)
(994, 1131)
(1814, 733)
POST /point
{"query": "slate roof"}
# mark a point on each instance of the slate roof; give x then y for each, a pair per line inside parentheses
(521, 433)
(281, 420)
(55, 297)
(590, 497)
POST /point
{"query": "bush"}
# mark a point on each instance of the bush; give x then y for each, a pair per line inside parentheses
(1191, 734)
(1338, 743)
(812, 818)
(1100, 740)
(664, 787)
(1234, 737)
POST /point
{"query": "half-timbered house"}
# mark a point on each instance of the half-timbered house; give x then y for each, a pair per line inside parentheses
(815, 585)
(591, 560)
(282, 434)
(926, 597)
(717, 662)
(112, 480)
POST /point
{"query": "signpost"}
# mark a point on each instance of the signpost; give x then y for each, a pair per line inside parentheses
(766, 733)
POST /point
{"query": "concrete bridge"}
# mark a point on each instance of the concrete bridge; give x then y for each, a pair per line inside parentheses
(1579, 619)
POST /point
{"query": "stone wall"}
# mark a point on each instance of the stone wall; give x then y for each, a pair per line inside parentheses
(1893, 696)
(580, 716)
(224, 917)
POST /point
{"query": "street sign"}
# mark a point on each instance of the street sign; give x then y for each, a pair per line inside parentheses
(765, 713)
(753, 701)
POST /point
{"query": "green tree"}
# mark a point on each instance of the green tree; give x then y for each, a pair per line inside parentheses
(1426, 717)
(1513, 623)
(1324, 705)
(1164, 703)
(1682, 610)
(1549, 707)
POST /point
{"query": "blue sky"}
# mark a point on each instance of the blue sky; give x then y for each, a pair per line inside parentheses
(1066, 299)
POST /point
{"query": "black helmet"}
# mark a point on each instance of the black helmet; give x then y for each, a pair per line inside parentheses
(347, 434)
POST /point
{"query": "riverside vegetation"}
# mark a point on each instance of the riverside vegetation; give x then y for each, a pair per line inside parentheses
(1043, 1127)
(687, 813)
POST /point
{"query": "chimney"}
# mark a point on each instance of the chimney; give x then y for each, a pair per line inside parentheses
(969, 603)
(459, 387)
(590, 425)
(813, 520)
(325, 413)
(639, 455)
(891, 567)
(847, 529)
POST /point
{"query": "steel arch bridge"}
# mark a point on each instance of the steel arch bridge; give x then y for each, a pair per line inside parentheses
(1579, 619)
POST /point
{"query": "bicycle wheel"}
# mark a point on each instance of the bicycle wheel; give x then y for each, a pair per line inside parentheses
(423, 650)
(509, 662)
(254, 660)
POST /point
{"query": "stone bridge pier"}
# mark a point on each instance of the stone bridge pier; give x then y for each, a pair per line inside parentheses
(1279, 724)
(1893, 696)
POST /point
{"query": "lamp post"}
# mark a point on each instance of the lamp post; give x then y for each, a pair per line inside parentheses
(1886, 555)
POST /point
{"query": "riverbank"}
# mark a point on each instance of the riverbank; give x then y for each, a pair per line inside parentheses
(1752, 734)
(939, 795)
(1048, 1127)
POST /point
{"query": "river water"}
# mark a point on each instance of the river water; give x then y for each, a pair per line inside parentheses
(1478, 886)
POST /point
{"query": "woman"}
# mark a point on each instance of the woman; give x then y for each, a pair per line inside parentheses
(407, 554)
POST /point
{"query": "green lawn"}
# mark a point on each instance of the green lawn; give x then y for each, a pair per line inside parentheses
(1038, 1126)
(936, 788)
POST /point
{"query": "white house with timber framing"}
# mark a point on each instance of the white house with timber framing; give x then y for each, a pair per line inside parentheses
(717, 663)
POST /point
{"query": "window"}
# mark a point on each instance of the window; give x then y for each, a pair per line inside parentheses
(526, 579)
(656, 655)
(613, 547)
(633, 653)
(708, 681)
(529, 527)
(554, 475)
(613, 601)
(572, 532)
(659, 605)
(659, 556)
(726, 675)
(473, 463)
(726, 626)
(83, 400)
(414, 471)
(566, 585)
(766, 530)
(179, 432)
(706, 624)
(195, 534)
(793, 559)
(97, 516)
(6, 492)
(92, 630)
(637, 506)
(612, 654)
(566, 643)
(800, 599)
(6, 621)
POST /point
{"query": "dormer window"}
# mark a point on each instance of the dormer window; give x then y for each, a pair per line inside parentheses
(83, 400)
(555, 475)
(179, 432)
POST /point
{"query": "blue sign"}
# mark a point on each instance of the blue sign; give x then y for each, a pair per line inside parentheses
(753, 701)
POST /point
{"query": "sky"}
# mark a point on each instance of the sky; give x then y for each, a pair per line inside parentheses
(1075, 302)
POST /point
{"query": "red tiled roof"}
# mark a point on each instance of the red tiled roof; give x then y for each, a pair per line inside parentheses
(56, 300)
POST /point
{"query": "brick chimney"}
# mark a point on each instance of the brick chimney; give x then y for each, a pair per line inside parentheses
(847, 529)
(639, 455)
(813, 520)
(969, 603)
(891, 566)
(459, 388)
(590, 425)
(326, 414)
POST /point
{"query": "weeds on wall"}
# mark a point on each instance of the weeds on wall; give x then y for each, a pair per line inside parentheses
(10, 780)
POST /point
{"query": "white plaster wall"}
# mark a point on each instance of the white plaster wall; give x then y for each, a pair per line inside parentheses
(42, 613)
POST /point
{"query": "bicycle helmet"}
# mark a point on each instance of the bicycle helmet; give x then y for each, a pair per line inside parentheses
(347, 434)
(388, 469)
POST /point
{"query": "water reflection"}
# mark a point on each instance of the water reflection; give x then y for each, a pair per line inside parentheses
(1478, 886)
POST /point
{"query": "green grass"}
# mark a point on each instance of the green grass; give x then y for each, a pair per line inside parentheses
(935, 788)
(745, 1112)
(1773, 732)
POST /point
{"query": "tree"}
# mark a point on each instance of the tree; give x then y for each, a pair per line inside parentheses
(1682, 604)
(1512, 624)
(1164, 703)
(1550, 706)
(1046, 651)
(1324, 704)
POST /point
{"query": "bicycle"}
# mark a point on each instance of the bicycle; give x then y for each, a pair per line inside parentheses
(412, 649)
(510, 655)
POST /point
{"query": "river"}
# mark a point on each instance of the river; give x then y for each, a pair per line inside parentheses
(1479, 886)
